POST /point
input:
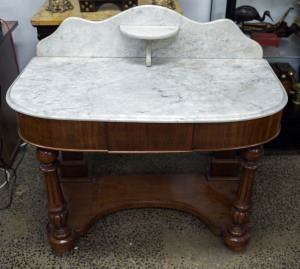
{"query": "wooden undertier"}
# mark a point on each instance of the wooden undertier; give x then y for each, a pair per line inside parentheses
(224, 205)
(210, 201)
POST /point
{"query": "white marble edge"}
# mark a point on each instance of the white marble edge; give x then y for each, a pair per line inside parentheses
(112, 51)
(149, 32)
(169, 118)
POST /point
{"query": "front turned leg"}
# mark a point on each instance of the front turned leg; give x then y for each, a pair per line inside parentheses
(237, 234)
(61, 236)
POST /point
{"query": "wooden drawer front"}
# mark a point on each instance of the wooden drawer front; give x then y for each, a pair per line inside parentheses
(233, 135)
(65, 134)
(154, 137)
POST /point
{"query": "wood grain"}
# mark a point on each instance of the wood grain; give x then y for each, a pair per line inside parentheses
(87, 201)
(60, 235)
(237, 234)
(146, 137)
(224, 166)
(235, 135)
(150, 137)
(210, 201)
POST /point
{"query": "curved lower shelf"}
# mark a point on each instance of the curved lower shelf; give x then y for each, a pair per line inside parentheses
(211, 201)
(149, 32)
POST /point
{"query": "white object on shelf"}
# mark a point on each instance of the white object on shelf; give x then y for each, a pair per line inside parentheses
(149, 33)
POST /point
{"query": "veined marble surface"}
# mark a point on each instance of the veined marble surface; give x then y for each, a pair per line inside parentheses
(149, 32)
(124, 89)
(207, 72)
(81, 38)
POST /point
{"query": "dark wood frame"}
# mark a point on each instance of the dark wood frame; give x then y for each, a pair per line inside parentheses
(9, 139)
(223, 205)
(230, 9)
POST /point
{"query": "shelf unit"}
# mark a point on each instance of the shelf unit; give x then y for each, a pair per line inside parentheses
(288, 51)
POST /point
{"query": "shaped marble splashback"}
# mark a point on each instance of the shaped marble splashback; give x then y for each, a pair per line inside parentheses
(81, 38)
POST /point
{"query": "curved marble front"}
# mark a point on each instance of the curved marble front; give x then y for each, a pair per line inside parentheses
(125, 90)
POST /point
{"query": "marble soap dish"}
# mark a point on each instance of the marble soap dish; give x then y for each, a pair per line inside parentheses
(149, 33)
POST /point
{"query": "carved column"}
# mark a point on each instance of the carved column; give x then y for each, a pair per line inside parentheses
(60, 235)
(237, 234)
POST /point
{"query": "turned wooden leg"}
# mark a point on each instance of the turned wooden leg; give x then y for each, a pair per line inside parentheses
(61, 237)
(237, 234)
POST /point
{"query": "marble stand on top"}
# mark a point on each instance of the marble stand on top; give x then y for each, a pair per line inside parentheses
(147, 80)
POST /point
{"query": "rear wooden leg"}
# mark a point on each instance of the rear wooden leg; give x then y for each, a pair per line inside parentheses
(237, 234)
(73, 168)
(61, 236)
(224, 166)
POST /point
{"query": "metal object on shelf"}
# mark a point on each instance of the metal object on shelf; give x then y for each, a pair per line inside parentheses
(280, 28)
(295, 89)
(286, 74)
(59, 5)
(165, 3)
(249, 13)
(296, 98)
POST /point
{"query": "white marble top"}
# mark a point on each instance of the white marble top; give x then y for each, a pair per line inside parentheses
(149, 32)
(91, 71)
(124, 89)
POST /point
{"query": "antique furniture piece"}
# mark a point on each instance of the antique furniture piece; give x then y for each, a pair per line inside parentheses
(93, 5)
(249, 13)
(266, 39)
(165, 3)
(288, 51)
(8, 121)
(59, 5)
(47, 22)
(89, 90)
(280, 28)
(286, 75)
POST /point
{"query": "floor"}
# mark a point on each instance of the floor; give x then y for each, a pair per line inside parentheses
(155, 238)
